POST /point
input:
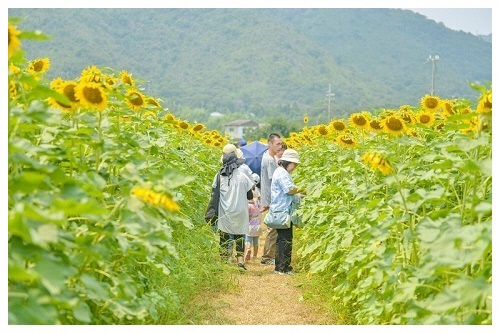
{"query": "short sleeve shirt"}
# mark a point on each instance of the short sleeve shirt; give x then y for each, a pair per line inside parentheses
(267, 167)
(281, 184)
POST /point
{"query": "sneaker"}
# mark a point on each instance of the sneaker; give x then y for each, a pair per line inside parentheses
(290, 272)
(254, 257)
(276, 272)
(240, 265)
(264, 262)
(247, 257)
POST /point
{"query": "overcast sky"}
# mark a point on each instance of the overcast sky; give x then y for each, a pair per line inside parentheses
(473, 20)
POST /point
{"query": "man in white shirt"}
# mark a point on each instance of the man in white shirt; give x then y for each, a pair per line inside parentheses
(268, 165)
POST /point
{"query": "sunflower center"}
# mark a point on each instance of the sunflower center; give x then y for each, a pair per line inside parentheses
(375, 124)
(136, 99)
(339, 126)
(394, 124)
(431, 103)
(38, 66)
(93, 95)
(359, 120)
(69, 92)
(424, 119)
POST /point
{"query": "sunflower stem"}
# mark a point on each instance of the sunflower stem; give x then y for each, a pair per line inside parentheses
(99, 139)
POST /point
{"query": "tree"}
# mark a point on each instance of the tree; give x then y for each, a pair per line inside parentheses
(281, 125)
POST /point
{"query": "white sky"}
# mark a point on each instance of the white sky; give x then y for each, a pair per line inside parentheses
(473, 20)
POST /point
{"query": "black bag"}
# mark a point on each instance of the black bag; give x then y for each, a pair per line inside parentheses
(212, 212)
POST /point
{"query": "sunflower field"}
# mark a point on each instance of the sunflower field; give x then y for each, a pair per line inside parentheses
(107, 190)
(399, 212)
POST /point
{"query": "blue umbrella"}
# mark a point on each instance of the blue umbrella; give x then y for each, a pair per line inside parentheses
(253, 155)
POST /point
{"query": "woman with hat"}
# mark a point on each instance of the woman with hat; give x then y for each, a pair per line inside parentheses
(282, 193)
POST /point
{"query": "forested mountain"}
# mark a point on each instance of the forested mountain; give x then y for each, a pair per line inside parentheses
(265, 61)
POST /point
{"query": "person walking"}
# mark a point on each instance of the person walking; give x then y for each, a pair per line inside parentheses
(254, 228)
(282, 194)
(268, 166)
(235, 191)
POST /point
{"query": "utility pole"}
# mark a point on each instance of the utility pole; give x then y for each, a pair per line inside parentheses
(329, 96)
(434, 59)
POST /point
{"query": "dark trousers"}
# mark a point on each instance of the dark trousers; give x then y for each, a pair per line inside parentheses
(284, 253)
(225, 239)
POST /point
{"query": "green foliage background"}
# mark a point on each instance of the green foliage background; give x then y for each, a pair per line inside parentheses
(414, 247)
(265, 62)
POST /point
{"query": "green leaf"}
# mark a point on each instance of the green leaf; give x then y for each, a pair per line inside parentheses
(44, 235)
(53, 274)
(95, 290)
(82, 313)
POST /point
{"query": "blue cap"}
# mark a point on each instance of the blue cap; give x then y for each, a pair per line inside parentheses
(243, 142)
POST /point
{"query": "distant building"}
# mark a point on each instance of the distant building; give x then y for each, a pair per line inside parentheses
(236, 128)
(216, 114)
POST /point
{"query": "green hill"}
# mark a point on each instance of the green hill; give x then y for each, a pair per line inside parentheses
(265, 61)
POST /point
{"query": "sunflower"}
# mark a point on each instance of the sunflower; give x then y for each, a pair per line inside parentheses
(156, 199)
(376, 126)
(430, 103)
(126, 78)
(485, 103)
(447, 109)
(394, 125)
(360, 120)
(14, 42)
(56, 83)
(135, 99)
(425, 118)
(412, 132)
(387, 113)
(322, 130)
(39, 66)
(439, 127)
(306, 120)
(91, 74)
(198, 127)
(347, 141)
(67, 88)
(12, 89)
(153, 101)
(377, 160)
(169, 117)
(407, 117)
(405, 108)
(92, 95)
(183, 125)
(338, 125)
(150, 114)
(13, 69)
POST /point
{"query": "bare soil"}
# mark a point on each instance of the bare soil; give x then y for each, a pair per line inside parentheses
(265, 298)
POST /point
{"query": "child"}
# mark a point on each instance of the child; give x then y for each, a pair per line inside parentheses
(254, 228)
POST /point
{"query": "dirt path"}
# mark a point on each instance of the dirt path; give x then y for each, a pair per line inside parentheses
(265, 298)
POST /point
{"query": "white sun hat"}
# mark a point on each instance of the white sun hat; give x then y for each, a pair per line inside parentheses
(290, 155)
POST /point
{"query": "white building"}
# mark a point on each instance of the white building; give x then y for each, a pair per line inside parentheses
(236, 128)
